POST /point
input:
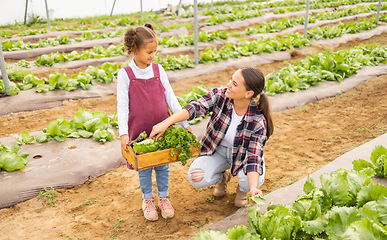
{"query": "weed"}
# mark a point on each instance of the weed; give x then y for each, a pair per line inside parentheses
(48, 196)
(112, 236)
(210, 200)
(117, 224)
(87, 201)
(201, 224)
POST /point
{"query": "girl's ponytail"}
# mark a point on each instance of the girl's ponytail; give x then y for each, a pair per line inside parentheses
(130, 40)
(149, 25)
(255, 81)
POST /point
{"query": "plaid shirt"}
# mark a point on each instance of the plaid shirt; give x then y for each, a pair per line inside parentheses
(250, 136)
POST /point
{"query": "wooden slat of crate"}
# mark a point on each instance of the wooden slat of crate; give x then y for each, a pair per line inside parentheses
(152, 159)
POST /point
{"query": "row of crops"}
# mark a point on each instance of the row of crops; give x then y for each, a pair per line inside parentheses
(241, 10)
(186, 40)
(242, 48)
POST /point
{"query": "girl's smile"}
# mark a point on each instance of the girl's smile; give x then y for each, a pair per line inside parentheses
(144, 56)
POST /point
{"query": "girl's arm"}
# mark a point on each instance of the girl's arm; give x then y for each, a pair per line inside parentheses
(159, 129)
(123, 106)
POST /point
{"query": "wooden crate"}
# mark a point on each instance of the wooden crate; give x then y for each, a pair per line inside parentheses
(153, 159)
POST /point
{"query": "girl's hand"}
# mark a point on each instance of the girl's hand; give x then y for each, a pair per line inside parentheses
(124, 142)
(255, 191)
(158, 130)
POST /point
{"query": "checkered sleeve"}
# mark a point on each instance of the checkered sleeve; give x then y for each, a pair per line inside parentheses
(254, 151)
(204, 105)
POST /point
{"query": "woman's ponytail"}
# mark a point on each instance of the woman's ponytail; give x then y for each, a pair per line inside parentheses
(264, 108)
(255, 81)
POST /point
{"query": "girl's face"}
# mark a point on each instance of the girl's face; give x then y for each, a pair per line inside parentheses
(144, 56)
(236, 87)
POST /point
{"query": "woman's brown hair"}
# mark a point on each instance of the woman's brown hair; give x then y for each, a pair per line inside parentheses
(137, 37)
(255, 81)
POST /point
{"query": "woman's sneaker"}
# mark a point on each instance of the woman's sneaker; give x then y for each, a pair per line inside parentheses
(149, 209)
(166, 208)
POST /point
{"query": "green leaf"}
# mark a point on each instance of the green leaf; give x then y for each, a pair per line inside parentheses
(361, 164)
(371, 192)
(237, 232)
(211, 235)
(365, 229)
(339, 219)
(258, 199)
(377, 152)
(309, 185)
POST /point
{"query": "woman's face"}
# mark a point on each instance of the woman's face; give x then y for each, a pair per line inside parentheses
(236, 87)
(144, 56)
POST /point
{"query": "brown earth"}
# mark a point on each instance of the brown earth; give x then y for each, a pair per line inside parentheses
(109, 207)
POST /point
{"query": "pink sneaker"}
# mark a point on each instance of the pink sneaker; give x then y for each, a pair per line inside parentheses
(166, 208)
(149, 209)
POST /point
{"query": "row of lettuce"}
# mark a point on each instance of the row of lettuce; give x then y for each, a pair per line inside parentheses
(186, 40)
(241, 6)
(238, 15)
(347, 206)
(328, 66)
(242, 48)
(96, 125)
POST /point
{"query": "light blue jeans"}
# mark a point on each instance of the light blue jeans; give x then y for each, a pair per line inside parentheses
(213, 167)
(162, 180)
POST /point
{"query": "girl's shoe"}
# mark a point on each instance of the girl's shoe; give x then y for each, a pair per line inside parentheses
(166, 208)
(149, 209)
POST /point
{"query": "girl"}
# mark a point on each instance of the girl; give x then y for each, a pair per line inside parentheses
(143, 97)
(235, 135)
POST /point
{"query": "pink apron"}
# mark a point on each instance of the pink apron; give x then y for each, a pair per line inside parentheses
(147, 104)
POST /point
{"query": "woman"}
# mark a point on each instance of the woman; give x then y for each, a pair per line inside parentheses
(235, 135)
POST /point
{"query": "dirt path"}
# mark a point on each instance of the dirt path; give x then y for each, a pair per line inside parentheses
(109, 207)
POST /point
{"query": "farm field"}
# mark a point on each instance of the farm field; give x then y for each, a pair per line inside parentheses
(109, 207)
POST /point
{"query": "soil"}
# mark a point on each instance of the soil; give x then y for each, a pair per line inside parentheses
(109, 207)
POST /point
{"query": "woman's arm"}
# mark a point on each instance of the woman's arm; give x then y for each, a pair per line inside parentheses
(159, 129)
(253, 183)
(170, 96)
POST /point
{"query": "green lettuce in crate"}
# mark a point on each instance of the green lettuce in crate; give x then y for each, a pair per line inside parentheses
(174, 138)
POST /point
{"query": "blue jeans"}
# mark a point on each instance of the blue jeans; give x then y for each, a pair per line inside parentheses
(162, 180)
(213, 167)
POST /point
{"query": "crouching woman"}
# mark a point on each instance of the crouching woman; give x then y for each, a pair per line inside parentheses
(234, 137)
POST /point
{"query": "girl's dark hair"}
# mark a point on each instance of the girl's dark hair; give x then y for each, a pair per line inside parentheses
(255, 81)
(137, 37)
